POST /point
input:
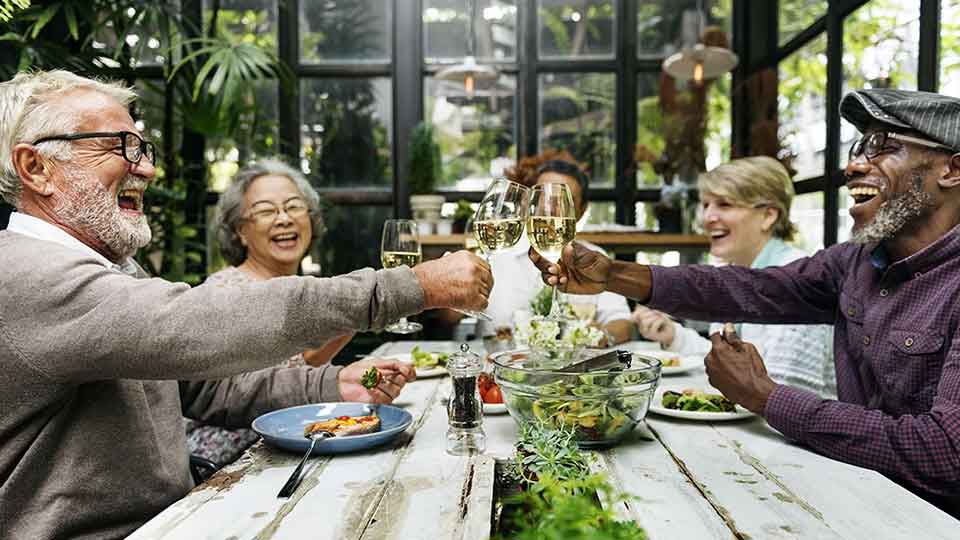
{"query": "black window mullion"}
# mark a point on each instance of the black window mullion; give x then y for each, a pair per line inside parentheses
(928, 65)
(407, 94)
(288, 109)
(527, 56)
(831, 161)
(625, 112)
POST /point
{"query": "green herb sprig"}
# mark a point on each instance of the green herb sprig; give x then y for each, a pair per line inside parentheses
(370, 378)
(542, 450)
(568, 510)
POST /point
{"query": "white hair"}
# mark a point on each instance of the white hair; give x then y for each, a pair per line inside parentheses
(29, 110)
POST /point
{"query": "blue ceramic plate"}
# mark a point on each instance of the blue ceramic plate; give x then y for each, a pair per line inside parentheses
(284, 428)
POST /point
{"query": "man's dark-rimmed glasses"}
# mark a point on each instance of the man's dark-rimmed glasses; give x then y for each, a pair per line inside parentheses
(132, 146)
(875, 143)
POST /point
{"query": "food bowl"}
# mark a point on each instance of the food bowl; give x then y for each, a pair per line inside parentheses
(600, 406)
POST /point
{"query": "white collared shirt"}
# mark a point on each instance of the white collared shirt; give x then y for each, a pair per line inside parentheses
(516, 281)
(33, 227)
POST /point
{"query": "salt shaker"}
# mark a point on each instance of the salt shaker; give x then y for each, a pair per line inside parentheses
(464, 410)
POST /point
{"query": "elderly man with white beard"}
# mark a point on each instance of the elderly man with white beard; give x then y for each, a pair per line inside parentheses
(91, 435)
(891, 294)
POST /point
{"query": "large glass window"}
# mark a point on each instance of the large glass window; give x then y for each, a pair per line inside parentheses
(352, 240)
(802, 107)
(577, 114)
(806, 213)
(245, 21)
(795, 16)
(475, 133)
(666, 26)
(950, 48)
(345, 134)
(255, 135)
(345, 30)
(881, 43)
(446, 22)
(576, 28)
(138, 31)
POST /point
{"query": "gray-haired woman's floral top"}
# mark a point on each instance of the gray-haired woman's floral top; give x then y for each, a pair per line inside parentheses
(223, 445)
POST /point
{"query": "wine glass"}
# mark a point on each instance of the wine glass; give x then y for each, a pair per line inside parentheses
(498, 222)
(551, 225)
(400, 246)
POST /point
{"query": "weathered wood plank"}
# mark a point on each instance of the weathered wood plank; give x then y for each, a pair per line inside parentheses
(750, 503)
(429, 494)
(855, 502)
(666, 503)
(326, 504)
(476, 524)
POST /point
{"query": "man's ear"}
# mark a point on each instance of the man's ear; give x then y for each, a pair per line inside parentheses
(33, 172)
(951, 173)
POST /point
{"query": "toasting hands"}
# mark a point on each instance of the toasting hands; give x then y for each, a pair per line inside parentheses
(582, 270)
(459, 280)
(735, 368)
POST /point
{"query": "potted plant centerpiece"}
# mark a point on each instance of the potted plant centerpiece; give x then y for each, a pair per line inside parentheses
(424, 172)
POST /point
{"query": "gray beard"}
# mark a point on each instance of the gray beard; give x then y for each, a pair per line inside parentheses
(87, 206)
(895, 214)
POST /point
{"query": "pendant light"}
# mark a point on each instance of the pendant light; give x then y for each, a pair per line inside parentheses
(468, 72)
(700, 62)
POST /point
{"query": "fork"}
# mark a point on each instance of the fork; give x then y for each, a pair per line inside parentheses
(294, 480)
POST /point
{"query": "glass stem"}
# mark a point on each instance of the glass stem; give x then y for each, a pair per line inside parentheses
(554, 306)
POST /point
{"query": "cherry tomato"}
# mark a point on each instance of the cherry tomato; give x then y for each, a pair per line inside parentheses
(493, 395)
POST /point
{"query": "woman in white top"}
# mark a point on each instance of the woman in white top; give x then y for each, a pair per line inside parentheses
(746, 214)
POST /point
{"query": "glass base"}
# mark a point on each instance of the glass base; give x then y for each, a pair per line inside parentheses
(404, 327)
(478, 314)
(462, 442)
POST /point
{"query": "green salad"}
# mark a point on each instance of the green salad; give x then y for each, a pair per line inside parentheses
(693, 400)
(428, 360)
(595, 406)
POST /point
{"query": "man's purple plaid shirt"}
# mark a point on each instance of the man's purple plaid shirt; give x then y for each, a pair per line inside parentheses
(896, 342)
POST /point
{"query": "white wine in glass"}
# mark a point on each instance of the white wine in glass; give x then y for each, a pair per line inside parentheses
(400, 246)
(551, 225)
(497, 234)
(548, 235)
(498, 222)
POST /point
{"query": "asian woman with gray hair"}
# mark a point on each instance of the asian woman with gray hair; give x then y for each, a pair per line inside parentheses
(267, 220)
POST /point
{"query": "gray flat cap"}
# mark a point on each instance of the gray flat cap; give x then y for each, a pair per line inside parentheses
(934, 115)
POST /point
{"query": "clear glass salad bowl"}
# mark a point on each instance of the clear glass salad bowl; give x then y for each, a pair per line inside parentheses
(600, 406)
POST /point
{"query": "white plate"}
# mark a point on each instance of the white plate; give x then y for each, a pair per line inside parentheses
(494, 408)
(421, 373)
(657, 407)
(687, 363)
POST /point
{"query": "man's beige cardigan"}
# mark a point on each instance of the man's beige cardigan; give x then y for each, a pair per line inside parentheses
(91, 432)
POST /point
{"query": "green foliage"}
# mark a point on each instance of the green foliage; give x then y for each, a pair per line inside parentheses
(542, 301)
(568, 510)
(464, 211)
(8, 7)
(209, 88)
(425, 168)
(560, 501)
(548, 451)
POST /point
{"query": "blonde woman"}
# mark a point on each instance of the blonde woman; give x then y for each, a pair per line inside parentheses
(746, 214)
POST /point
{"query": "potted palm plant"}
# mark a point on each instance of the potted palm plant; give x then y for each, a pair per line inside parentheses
(424, 173)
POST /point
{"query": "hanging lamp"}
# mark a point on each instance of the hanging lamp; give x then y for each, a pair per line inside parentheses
(701, 61)
(468, 72)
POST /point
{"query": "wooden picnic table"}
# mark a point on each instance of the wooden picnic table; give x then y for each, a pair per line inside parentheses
(691, 481)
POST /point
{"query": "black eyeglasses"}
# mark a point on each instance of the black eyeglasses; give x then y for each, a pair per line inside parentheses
(132, 146)
(875, 143)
